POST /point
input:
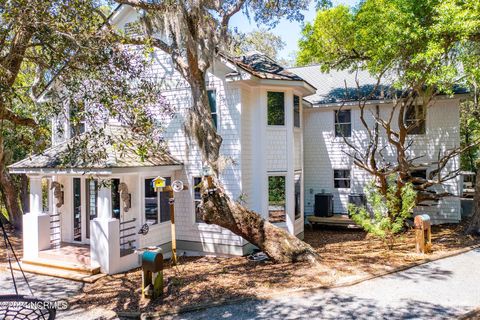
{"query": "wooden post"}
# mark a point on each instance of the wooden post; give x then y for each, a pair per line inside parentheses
(171, 201)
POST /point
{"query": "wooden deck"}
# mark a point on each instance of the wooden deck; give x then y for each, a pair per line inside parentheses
(68, 252)
(338, 220)
(69, 261)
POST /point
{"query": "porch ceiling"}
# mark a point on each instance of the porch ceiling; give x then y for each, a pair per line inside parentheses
(69, 158)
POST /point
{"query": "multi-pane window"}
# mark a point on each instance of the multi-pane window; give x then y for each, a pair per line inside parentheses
(212, 101)
(276, 108)
(341, 179)
(197, 198)
(343, 123)
(415, 119)
(296, 111)
(156, 207)
(77, 209)
(115, 183)
(276, 198)
(298, 195)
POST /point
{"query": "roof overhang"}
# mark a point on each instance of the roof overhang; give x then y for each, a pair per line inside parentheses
(380, 102)
(92, 171)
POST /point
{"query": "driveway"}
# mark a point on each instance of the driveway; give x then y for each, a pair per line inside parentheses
(437, 290)
(50, 288)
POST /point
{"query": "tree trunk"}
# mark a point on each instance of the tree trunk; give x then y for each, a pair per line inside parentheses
(218, 208)
(278, 244)
(9, 193)
(474, 225)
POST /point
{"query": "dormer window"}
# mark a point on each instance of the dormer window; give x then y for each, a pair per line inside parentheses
(276, 108)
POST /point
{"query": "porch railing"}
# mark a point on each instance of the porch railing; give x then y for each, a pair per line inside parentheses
(128, 237)
(55, 231)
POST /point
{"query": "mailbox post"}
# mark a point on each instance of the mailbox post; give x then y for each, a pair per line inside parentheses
(423, 233)
(152, 273)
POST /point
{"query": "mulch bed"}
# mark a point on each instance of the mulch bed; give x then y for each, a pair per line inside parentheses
(346, 255)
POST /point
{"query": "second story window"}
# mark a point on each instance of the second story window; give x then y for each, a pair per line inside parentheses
(212, 101)
(415, 116)
(296, 111)
(343, 123)
(276, 108)
(341, 179)
(77, 121)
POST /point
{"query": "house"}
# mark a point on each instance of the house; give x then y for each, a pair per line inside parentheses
(279, 136)
(327, 167)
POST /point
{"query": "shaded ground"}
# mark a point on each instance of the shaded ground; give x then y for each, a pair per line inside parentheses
(16, 241)
(443, 289)
(346, 255)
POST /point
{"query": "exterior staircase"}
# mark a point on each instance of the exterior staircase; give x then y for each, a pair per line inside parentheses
(61, 269)
(68, 262)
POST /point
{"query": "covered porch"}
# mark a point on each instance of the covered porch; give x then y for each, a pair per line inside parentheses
(86, 218)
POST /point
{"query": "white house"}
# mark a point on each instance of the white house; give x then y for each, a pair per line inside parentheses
(283, 148)
(327, 167)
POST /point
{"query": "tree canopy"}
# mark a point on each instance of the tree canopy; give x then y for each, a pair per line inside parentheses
(420, 43)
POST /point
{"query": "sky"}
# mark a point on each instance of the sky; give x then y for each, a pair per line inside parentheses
(289, 31)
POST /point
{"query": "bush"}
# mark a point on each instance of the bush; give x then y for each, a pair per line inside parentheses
(386, 213)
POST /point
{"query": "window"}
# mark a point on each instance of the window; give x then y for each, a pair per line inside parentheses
(45, 195)
(77, 210)
(343, 123)
(341, 179)
(212, 101)
(77, 120)
(419, 173)
(197, 198)
(157, 207)
(91, 191)
(296, 111)
(276, 199)
(298, 195)
(276, 108)
(415, 119)
(115, 183)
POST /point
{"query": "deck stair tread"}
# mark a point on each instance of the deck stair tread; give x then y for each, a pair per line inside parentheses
(61, 264)
(335, 220)
(60, 272)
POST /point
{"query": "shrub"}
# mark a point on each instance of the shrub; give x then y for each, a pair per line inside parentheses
(385, 215)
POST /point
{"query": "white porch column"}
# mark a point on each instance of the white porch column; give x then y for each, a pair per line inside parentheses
(36, 224)
(290, 176)
(105, 235)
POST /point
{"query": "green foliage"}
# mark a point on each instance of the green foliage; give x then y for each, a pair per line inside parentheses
(261, 40)
(421, 42)
(276, 190)
(388, 213)
(469, 132)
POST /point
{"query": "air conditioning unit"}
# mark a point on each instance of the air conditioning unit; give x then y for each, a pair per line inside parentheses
(324, 205)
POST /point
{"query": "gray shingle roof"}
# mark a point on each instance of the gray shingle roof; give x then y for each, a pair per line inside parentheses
(263, 67)
(331, 86)
(62, 156)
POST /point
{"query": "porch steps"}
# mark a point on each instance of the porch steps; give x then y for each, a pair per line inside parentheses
(61, 269)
